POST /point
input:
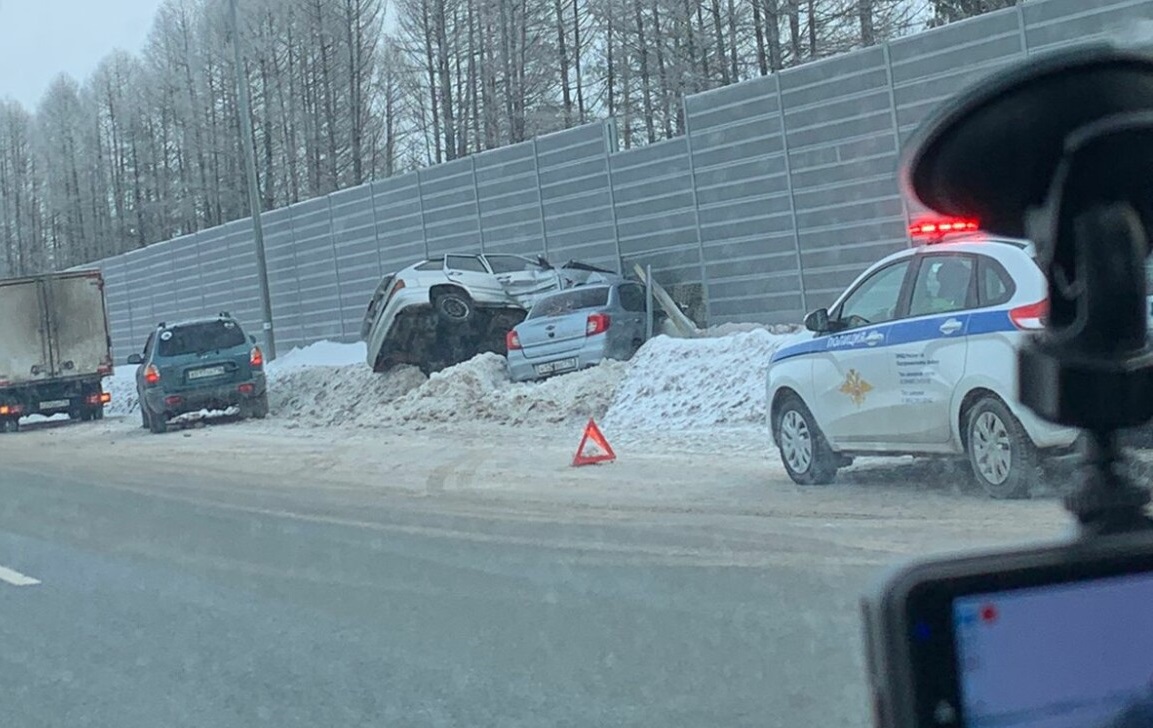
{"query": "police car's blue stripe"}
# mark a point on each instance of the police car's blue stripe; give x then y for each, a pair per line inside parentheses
(900, 332)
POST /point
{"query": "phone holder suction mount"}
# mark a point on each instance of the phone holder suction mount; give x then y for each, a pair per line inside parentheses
(1059, 149)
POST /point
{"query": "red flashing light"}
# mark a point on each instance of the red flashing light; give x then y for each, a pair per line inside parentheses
(1030, 317)
(151, 374)
(256, 358)
(11, 409)
(512, 341)
(598, 323)
(105, 398)
(942, 226)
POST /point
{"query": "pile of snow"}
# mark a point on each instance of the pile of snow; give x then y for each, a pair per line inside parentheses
(672, 386)
(338, 395)
(122, 386)
(478, 390)
(729, 329)
(692, 384)
(320, 354)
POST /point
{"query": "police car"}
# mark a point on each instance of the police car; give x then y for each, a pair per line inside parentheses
(918, 356)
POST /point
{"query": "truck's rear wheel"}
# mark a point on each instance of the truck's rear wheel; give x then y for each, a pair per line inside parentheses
(10, 426)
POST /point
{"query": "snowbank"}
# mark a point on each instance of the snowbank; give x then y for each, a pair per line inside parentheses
(122, 386)
(693, 384)
(478, 390)
(320, 354)
(672, 387)
(729, 329)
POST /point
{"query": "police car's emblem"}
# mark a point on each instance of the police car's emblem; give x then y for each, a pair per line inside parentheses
(856, 387)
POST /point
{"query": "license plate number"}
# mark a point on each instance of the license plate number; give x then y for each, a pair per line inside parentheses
(205, 372)
(54, 404)
(553, 367)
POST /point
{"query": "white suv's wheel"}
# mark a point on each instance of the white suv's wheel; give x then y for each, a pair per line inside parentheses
(804, 452)
(1003, 458)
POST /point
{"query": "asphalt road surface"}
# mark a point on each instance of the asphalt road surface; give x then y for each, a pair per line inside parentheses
(237, 578)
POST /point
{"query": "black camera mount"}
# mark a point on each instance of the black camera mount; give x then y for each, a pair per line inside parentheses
(1060, 150)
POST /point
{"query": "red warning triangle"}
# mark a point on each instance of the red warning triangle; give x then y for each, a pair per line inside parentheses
(594, 448)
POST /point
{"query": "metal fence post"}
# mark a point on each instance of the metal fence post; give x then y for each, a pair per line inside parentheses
(335, 263)
(648, 301)
(540, 199)
(610, 138)
(476, 201)
(696, 211)
(792, 195)
(893, 116)
(420, 206)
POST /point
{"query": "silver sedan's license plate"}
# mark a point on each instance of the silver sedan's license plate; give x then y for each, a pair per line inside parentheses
(553, 367)
(205, 372)
(54, 404)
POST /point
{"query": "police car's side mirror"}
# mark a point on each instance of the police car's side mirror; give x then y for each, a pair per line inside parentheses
(817, 321)
(135, 359)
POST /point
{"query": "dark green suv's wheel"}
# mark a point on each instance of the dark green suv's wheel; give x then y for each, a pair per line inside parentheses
(143, 414)
(157, 422)
(258, 408)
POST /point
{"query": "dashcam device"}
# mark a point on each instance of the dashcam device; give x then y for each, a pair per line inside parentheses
(1058, 149)
(1055, 636)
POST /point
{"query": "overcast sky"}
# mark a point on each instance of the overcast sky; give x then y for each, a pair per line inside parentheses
(40, 39)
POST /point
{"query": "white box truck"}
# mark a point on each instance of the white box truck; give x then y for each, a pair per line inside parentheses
(55, 347)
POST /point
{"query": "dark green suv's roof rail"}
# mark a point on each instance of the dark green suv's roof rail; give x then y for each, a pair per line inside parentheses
(224, 315)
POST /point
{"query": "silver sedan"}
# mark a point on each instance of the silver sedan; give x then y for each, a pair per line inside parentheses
(577, 328)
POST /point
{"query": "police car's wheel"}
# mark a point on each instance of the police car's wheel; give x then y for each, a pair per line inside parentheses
(1001, 454)
(806, 456)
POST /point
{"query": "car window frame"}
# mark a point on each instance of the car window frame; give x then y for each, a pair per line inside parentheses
(903, 295)
(479, 259)
(223, 321)
(434, 264)
(528, 264)
(971, 295)
(621, 288)
(985, 263)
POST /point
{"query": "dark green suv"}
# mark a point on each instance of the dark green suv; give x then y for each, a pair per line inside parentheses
(208, 364)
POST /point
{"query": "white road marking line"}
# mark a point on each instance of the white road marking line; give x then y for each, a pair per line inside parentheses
(15, 578)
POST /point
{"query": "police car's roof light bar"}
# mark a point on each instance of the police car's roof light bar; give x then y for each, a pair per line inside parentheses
(933, 229)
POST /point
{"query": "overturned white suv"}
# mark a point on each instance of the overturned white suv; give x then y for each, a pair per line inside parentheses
(445, 310)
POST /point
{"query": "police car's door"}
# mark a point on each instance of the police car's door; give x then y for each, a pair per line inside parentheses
(929, 346)
(854, 379)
